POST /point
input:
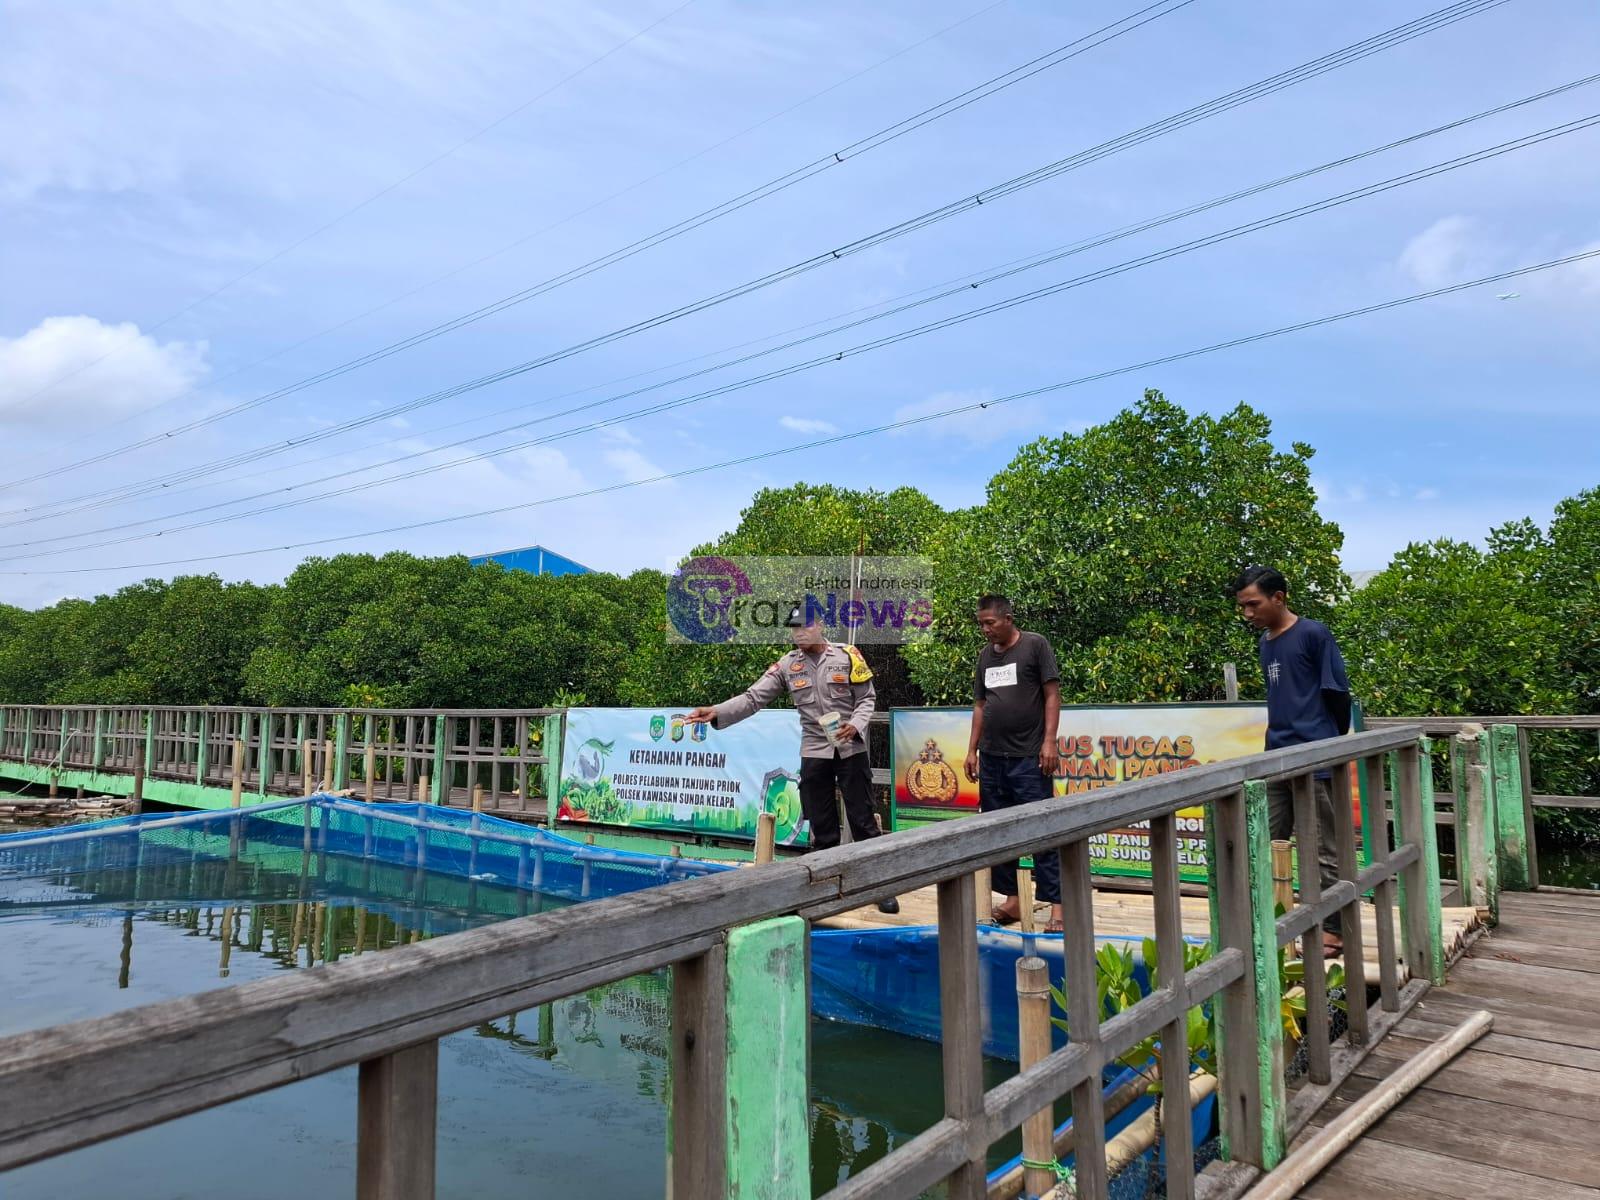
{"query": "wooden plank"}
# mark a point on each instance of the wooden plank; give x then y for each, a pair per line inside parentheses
(1308, 845)
(1083, 1016)
(1355, 962)
(1170, 970)
(1519, 1018)
(697, 1152)
(1540, 1088)
(397, 1125)
(961, 1029)
(1478, 1131)
(1382, 1169)
(1529, 1049)
(1541, 984)
(1541, 954)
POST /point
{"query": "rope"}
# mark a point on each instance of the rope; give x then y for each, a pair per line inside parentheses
(1055, 1166)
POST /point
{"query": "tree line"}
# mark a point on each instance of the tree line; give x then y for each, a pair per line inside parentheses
(1118, 543)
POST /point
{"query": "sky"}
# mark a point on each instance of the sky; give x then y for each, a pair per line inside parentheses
(209, 204)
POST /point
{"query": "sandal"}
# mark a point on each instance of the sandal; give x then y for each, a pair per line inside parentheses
(1052, 927)
(1003, 919)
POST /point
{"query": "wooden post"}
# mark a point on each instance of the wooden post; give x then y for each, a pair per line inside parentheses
(1283, 873)
(1525, 776)
(238, 772)
(1251, 1098)
(1167, 898)
(307, 778)
(1421, 922)
(138, 787)
(98, 757)
(983, 891)
(551, 747)
(477, 797)
(1230, 682)
(341, 751)
(697, 1156)
(440, 791)
(1480, 858)
(1033, 1042)
(266, 728)
(766, 837)
(1350, 931)
(961, 1028)
(369, 767)
(1307, 842)
(1513, 824)
(327, 765)
(202, 751)
(1083, 1016)
(397, 1125)
(424, 790)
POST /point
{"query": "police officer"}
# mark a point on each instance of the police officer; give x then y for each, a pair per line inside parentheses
(829, 680)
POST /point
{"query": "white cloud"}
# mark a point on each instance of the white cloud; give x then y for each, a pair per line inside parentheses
(631, 465)
(71, 368)
(1427, 493)
(1445, 252)
(982, 424)
(808, 425)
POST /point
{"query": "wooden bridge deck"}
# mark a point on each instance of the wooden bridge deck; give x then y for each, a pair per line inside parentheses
(1515, 1117)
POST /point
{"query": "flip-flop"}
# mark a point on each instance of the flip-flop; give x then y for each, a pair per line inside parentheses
(1052, 927)
(1002, 919)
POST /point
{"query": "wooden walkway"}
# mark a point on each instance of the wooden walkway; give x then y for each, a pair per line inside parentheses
(1515, 1117)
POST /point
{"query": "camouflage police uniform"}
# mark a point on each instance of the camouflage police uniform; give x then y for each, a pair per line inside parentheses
(836, 681)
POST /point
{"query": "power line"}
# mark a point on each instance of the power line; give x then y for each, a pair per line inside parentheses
(1315, 67)
(351, 211)
(887, 308)
(887, 427)
(820, 360)
(524, 239)
(772, 187)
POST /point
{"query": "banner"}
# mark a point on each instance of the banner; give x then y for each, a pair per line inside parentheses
(1099, 746)
(650, 768)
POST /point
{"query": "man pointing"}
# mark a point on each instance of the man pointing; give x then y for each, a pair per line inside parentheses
(832, 690)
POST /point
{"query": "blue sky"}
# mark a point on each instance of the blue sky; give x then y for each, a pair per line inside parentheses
(155, 155)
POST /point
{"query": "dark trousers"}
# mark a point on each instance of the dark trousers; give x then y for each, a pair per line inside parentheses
(1280, 822)
(1004, 783)
(853, 777)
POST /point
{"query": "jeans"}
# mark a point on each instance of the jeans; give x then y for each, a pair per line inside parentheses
(1280, 821)
(1004, 783)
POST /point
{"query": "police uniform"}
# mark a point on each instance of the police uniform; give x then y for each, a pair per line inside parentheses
(836, 681)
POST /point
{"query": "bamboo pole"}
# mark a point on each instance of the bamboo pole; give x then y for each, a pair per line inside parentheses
(238, 772)
(327, 766)
(766, 837)
(477, 797)
(1141, 1135)
(1283, 874)
(307, 779)
(983, 887)
(138, 786)
(1302, 1166)
(424, 790)
(1033, 1044)
(1009, 1185)
(1025, 899)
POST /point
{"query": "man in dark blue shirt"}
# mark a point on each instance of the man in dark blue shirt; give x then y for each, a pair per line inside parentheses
(1308, 699)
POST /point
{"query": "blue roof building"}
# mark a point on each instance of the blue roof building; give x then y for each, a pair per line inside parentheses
(535, 560)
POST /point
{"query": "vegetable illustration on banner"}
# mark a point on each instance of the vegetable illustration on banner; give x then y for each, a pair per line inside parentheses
(655, 769)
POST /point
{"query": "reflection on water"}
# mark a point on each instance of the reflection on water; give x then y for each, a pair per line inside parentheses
(562, 1100)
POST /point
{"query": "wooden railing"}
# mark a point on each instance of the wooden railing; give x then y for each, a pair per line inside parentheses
(440, 755)
(75, 1084)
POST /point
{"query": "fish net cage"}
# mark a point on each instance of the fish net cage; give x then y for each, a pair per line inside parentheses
(421, 853)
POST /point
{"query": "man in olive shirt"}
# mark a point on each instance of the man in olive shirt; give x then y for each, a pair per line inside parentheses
(1012, 754)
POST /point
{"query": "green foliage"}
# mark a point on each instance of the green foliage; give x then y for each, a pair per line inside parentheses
(1117, 988)
(1449, 629)
(1119, 544)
